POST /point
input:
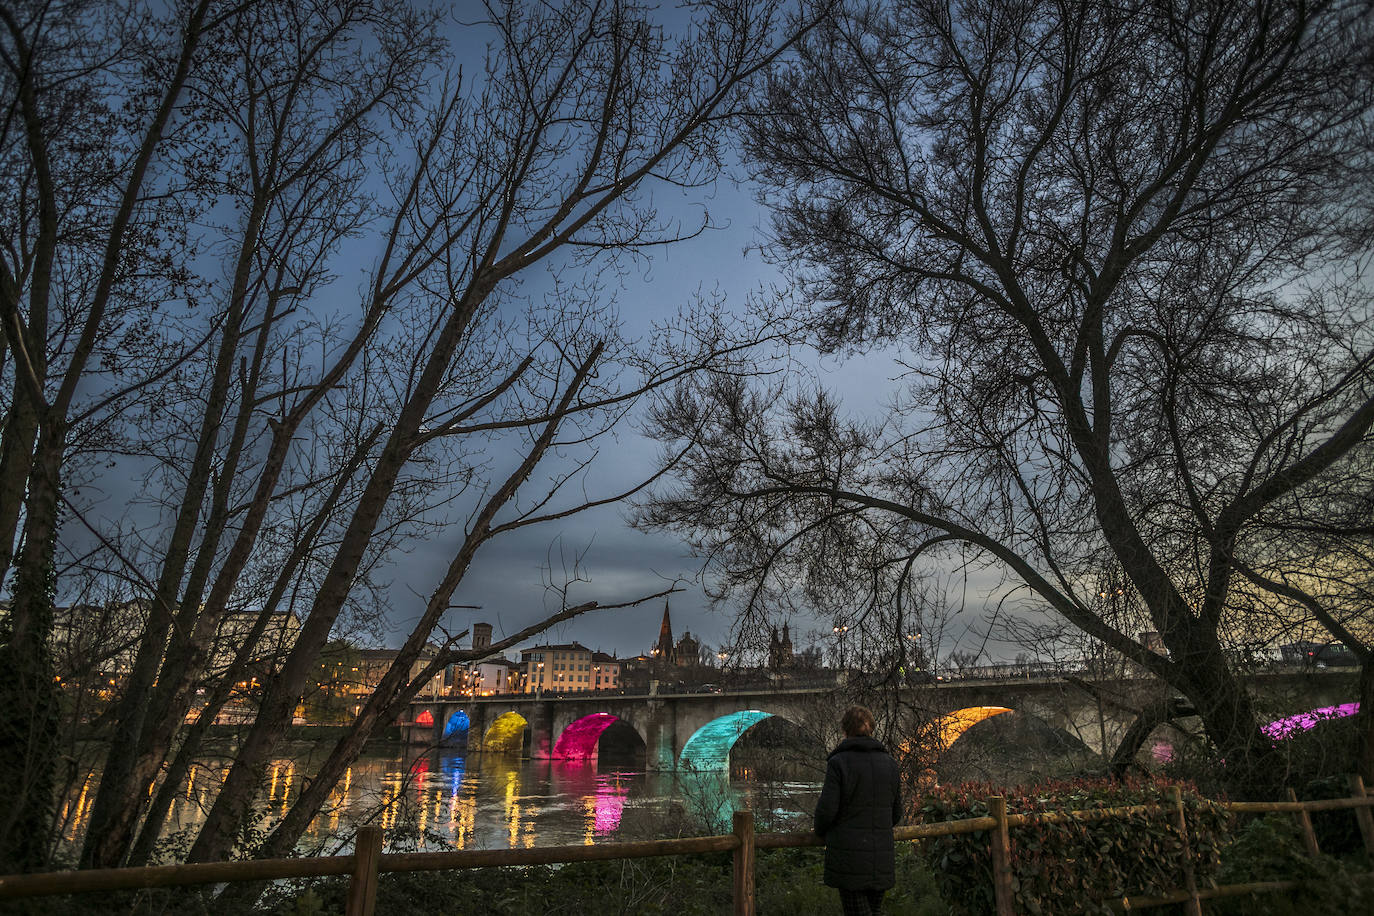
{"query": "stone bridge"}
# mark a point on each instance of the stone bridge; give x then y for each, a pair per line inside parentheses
(697, 730)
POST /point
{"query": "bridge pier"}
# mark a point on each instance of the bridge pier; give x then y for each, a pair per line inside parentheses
(539, 724)
(660, 736)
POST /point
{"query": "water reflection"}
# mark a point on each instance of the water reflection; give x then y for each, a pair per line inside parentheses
(483, 801)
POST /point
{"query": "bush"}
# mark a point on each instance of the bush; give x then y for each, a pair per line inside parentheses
(1338, 833)
(1072, 866)
(788, 881)
(1270, 848)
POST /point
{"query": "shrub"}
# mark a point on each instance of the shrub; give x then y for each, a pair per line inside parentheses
(1270, 848)
(1338, 832)
(1071, 866)
(787, 881)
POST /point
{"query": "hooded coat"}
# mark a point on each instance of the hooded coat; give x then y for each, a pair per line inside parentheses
(860, 803)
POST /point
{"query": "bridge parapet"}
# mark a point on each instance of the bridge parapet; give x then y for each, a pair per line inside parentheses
(665, 722)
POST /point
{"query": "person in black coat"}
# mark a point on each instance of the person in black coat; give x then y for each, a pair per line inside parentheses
(860, 803)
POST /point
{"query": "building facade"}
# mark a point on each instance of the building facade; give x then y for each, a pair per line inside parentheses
(561, 669)
(605, 672)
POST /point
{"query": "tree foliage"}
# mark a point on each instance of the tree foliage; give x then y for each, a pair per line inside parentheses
(319, 288)
(1119, 252)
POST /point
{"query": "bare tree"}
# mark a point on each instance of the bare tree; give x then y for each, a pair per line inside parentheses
(93, 227)
(1113, 245)
(1315, 565)
(290, 435)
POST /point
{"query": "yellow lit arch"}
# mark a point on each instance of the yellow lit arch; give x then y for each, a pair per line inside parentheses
(949, 728)
(506, 734)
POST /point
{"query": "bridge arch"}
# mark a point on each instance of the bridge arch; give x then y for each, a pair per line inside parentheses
(506, 734)
(950, 727)
(425, 719)
(581, 740)
(1289, 726)
(709, 746)
(456, 728)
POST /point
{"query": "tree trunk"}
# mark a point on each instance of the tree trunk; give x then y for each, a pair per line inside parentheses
(1228, 714)
(196, 659)
(28, 696)
(1364, 755)
(280, 697)
(130, 766)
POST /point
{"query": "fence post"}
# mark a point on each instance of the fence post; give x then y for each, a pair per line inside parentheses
(744, 863)
(1309, 836)
(1193, 907)
(362, 884)
(1001, 856)
(1362, 814)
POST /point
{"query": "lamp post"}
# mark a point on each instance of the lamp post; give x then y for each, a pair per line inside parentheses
(918, 655)
(839, 632)
(1108, 595)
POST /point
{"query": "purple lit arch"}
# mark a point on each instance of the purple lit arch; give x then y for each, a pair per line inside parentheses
(1280, 729)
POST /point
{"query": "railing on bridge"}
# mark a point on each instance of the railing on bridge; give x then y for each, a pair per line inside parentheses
(368, 861)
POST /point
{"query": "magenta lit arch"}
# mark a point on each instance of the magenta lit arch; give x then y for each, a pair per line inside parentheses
(578, 741)
(1287, 727)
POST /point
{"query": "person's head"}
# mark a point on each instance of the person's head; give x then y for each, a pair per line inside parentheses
(857, 722)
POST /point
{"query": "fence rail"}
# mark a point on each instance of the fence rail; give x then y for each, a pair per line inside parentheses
(368, 861)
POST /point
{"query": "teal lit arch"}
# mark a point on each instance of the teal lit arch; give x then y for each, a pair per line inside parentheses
(709, 746)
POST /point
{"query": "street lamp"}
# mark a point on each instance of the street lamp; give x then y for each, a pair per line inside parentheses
(918, 655)
(839, 632)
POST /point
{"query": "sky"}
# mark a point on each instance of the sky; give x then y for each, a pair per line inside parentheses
(509, 576)
(508, 583)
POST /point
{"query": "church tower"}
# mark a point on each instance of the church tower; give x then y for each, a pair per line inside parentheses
(663, 652)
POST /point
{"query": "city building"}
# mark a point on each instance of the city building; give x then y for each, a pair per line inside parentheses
(373, 664)
(687, 651)
(489, 678)
(560, 669)
(605, 671)
(780, 649)
(664, 653)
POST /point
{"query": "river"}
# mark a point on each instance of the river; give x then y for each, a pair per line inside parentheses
(450, 799)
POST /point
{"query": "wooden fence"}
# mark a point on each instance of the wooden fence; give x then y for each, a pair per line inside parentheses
(368, 861)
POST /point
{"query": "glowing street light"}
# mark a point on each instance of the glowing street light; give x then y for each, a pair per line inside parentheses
(839, 632)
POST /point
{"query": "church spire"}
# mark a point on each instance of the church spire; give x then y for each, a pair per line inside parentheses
(663, 649)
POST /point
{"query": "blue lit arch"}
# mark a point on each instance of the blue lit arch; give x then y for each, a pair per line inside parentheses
(709, 746)
(456, 728)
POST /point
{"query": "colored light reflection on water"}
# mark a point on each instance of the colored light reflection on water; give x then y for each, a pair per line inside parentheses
(610, 804)
(487, 801)
(1303, 721)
